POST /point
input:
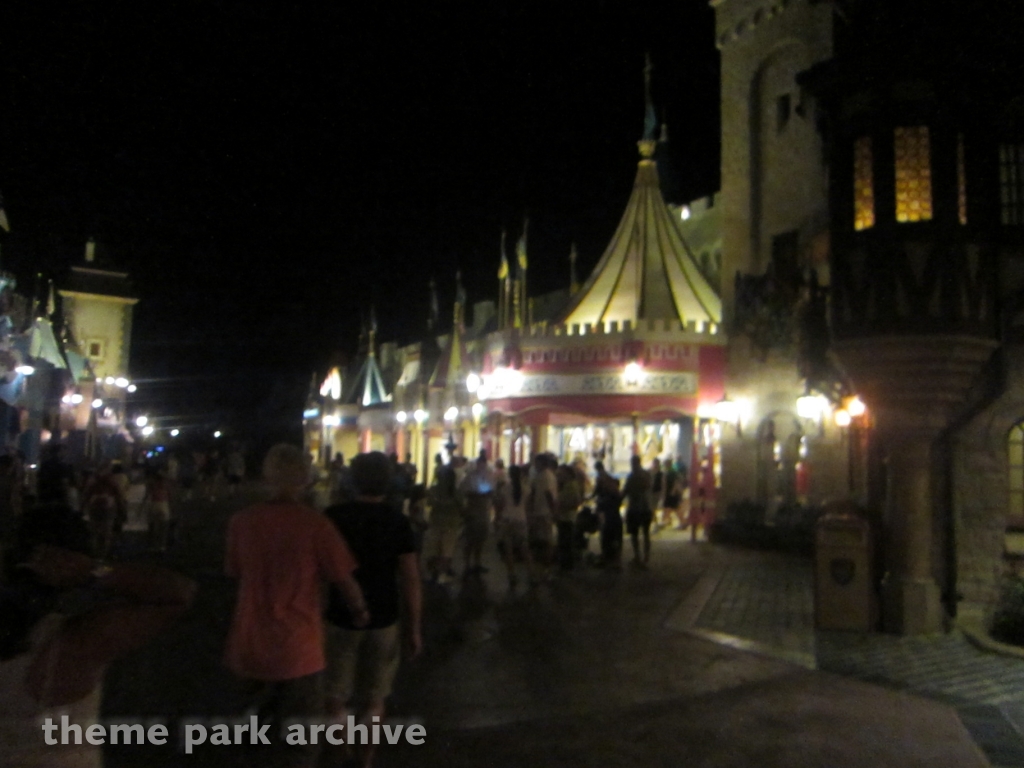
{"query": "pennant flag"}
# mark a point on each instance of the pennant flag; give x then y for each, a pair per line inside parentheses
(521, 245)
(650, 119)
(435, 307)
(460, 291)
(503, 269)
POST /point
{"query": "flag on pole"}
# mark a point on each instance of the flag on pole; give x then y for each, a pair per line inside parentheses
(4, 224)
(521, 245)
(503, 269)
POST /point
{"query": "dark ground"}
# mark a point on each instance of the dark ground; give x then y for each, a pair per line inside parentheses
(584, 672)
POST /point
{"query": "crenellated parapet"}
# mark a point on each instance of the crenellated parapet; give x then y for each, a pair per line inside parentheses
(737, 18)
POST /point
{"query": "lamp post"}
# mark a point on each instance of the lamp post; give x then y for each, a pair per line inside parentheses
(421, 416)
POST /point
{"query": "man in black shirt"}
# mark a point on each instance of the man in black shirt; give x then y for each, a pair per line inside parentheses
(361, 663)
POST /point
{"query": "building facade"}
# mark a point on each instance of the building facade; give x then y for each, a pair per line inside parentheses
(841, 320)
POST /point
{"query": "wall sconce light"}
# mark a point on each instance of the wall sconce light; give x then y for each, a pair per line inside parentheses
(401, 417)
(478, 410)
(855, 407)
(451, 414)
(421, 416)
(632, 373)
(728, 411)
(811, 406)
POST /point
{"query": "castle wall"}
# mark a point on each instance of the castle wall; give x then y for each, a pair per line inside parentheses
(980, 478)
(773, 173)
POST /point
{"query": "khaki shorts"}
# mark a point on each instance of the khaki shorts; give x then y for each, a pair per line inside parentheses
(361, 663)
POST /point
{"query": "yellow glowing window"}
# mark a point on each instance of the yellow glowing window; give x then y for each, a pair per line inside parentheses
(913, 175)
(1011, 183)
(1015, 456)
(961, 180)
(863, 185)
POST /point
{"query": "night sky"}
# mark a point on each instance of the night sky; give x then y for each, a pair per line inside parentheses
(266, 170)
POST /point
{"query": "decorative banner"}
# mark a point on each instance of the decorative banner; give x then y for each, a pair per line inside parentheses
(540, 385)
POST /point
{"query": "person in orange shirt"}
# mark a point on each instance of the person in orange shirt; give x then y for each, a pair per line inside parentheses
(280, 552)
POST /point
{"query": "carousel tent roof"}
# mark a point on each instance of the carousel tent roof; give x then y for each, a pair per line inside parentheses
(647, 271)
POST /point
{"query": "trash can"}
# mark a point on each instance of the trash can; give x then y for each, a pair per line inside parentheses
(844, 590)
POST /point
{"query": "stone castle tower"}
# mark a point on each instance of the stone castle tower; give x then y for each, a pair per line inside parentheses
(774, 196)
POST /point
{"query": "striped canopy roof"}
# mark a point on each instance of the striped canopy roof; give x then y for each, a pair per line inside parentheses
(647, 272)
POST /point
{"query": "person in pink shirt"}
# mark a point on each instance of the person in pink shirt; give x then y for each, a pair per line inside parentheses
(281, 551)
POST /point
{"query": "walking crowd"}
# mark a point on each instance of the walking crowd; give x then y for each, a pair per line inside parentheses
(326, 601)
(541, 515)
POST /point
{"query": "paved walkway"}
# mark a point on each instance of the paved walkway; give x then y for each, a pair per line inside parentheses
(598, 668)
(763, 602)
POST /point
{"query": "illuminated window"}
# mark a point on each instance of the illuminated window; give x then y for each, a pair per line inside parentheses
(863, 185)
(1015, 454)
(1011, 183)
(961, 180)
(913, 175)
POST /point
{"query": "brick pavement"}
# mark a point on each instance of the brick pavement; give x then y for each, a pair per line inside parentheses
(763, 602)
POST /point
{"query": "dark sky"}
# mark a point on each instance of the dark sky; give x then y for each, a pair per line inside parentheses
(265, 169)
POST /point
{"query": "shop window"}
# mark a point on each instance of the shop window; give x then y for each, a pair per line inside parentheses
(1015, 456)
(961, 180)
(1011, 183)
(913, 174)
(863, 185)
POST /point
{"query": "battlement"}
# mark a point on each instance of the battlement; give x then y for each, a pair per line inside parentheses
(626, 327)
(735, 18)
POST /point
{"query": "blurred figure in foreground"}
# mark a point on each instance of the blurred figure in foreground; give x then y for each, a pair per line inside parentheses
(362, 660)
(280, 551)
(53, 664)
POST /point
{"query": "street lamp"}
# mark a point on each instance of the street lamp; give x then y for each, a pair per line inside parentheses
(421, 416)
(147, 431)
(451, 414)
(472, 383)
(142, 421)
(401, 417)
(175, 432)
(97, 403)
(217, 434)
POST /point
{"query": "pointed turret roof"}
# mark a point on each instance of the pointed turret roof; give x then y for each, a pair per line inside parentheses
(368, 385)
(450, 366)
(647, 271)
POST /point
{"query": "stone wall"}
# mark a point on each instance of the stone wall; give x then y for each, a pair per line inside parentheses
(979, 493)
(773, 176)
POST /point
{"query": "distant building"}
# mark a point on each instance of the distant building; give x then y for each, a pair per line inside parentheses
(97, 302)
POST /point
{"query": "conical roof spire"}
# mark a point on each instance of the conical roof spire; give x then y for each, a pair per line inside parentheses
(647, 271)
(650, 118)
